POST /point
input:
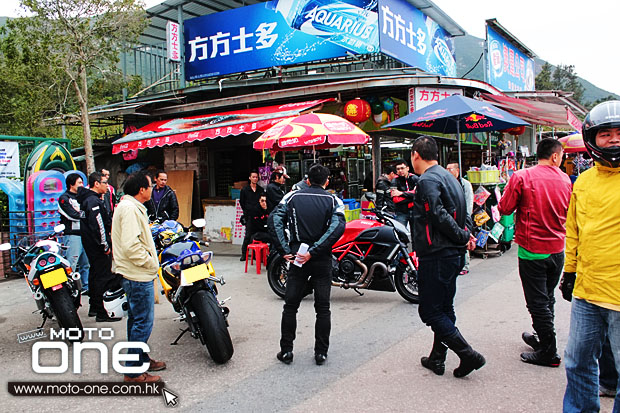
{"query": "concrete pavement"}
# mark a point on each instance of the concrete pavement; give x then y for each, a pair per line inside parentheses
(376, 344)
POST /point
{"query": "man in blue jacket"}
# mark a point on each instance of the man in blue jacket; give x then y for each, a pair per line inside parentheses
(442, 232)
(316, 218)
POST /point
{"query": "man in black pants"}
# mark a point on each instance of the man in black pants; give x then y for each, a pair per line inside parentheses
(248, 199)
(95, 228)
(315, 218)
(442, 232)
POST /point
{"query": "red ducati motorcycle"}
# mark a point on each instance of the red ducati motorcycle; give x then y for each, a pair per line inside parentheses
(372, 254)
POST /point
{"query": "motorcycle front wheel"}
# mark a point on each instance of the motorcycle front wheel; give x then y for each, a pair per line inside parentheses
(277, 271)
(64, 308)
(212, 326)
(407, 289)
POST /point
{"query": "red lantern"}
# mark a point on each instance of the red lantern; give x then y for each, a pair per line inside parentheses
(357, 110)
(517, 130)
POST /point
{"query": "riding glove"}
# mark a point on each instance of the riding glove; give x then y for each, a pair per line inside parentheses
(567, 284)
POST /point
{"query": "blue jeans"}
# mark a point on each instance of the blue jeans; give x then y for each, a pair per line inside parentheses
(140, 316)
(589, 324)
(437, 288)
(77, 258)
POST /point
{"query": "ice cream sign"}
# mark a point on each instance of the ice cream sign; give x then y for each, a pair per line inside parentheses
(508, 68)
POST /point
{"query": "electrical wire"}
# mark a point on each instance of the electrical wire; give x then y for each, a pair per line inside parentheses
(463, 77)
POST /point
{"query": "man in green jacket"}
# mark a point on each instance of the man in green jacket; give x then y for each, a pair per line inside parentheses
(135, 259)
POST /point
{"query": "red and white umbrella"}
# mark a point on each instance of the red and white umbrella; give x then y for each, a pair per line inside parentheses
(316, 130)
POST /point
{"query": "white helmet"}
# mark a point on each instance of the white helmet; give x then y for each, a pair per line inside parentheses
(115, 303)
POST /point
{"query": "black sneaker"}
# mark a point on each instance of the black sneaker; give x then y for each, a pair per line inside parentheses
(242, 258)
(320, 359)
(285, 357)
(540, 358)
(92, 313)
(106, 319)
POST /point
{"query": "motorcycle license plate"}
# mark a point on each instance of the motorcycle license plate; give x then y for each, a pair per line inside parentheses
(191, 275)
(53, 278)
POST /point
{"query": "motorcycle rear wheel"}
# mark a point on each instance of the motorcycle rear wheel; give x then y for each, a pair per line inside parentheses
(64, 309)
(277, 271)
(212, 325)
(409, 290)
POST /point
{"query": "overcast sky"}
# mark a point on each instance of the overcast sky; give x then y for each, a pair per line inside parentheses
(579, 33)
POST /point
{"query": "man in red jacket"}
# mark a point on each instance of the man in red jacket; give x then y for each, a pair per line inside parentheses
(540, 195)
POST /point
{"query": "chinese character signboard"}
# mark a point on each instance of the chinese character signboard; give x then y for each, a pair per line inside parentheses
(277, 34)
(415, 39)
(172, 41)
(9, 159)
(425, 96)
(508, 68)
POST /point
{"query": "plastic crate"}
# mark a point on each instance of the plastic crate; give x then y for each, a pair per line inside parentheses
(235, 193)
(473, 177)
(351, 214)
(350, 203)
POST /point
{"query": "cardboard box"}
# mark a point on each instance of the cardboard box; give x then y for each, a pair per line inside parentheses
(240, 184)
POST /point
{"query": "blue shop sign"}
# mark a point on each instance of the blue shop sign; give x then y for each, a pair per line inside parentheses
(410, 36)
(278, 33)
(508, 69)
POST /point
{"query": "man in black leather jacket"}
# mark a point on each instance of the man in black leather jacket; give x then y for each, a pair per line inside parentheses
(95, 227)
(384, 183)
(163, 204)
(316, 218)
(274, 190)
(442, 233)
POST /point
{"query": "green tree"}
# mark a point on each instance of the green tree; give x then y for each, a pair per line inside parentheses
(543, 79)
(83, 38)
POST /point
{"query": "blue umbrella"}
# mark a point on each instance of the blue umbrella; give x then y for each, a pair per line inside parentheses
(455, 114)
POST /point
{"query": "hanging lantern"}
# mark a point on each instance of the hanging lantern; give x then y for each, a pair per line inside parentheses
(357, 110)
(517, 130)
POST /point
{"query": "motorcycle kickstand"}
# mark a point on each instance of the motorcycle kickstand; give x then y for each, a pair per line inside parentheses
(175, 342)
(44, 320)
(357, 291)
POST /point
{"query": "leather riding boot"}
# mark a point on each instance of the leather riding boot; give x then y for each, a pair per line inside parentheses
(435, 362)
(470, 359)
(547, 355)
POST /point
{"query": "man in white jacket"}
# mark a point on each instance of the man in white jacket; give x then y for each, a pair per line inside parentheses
(135, 259)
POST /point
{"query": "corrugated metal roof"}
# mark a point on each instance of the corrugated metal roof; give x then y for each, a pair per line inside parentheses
(155, 33)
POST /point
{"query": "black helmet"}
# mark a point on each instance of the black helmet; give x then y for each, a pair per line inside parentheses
(602, 116)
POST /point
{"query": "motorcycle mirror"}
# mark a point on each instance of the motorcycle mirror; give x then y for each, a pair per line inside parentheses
(199, 223)
(59, 228)
(5, 247)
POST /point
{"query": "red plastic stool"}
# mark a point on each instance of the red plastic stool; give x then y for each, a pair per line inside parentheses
(258, 250)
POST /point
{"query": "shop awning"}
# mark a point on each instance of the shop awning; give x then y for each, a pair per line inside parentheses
(535, 112)
(214, 125)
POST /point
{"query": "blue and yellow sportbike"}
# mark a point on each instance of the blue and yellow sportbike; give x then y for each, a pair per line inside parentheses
(188, 278)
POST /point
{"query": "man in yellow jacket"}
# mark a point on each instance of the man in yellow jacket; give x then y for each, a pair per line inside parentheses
(593, 260)
(135, 259)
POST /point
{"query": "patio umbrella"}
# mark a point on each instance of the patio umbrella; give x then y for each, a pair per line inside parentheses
(573, 143)
(456, 114)
(316, 130)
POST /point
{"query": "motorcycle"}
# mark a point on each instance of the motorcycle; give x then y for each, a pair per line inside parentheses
(189, 283)
(55, 287)
(372, 254)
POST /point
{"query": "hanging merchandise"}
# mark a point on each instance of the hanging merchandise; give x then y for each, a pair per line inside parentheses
(481, 217)
(357, 110)
(481, 195)
(497, 231)
(388, 104)
(495, 213)
(481, 239)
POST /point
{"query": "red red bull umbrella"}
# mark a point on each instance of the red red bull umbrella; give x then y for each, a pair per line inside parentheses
(456, 114)
(317, 130)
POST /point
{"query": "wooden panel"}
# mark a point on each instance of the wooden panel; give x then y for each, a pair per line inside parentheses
(183, 184)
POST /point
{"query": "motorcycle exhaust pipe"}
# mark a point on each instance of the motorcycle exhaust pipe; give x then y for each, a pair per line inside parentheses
(76, 276)
(38, 295)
